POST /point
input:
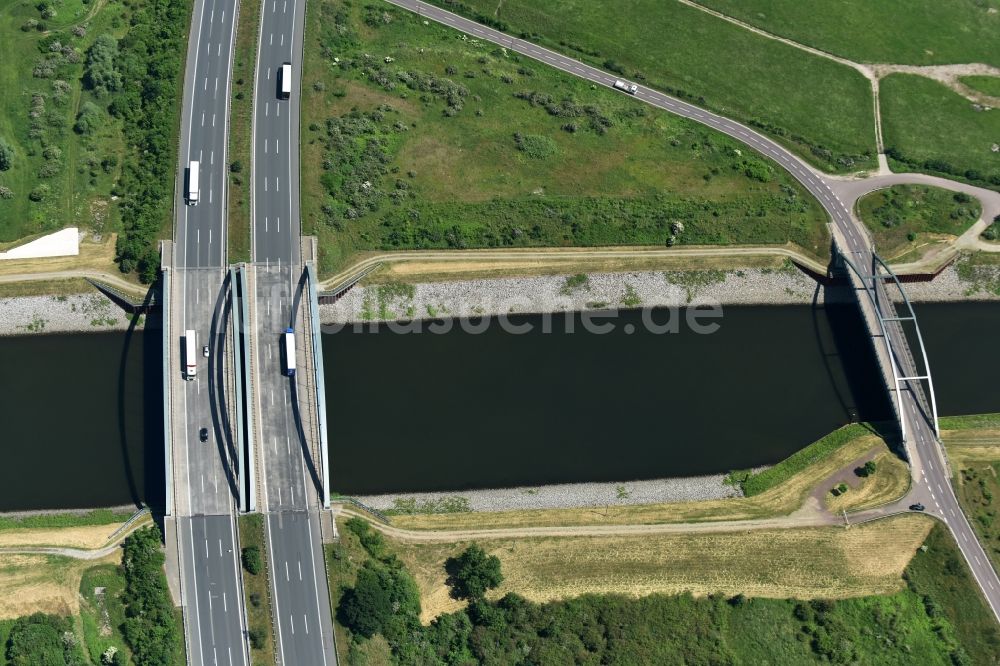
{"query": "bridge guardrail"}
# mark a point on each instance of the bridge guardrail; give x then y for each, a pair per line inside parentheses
(364, 507)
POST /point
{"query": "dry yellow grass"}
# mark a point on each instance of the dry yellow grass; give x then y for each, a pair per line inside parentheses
(890, 481)
(94, 256)
(782, 500)
(970, 446)
(90, 537)
(43, 583)
(828, 562)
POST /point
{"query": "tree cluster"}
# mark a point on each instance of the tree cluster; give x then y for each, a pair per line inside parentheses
(150, 627)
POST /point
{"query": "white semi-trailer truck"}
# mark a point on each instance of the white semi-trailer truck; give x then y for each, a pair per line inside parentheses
(193, 183)
(625, 86)
(190, 355)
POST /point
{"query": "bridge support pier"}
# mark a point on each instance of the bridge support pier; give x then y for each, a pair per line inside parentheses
(244, 389)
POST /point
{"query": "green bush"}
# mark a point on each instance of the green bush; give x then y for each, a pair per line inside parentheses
(6, 155)
(472, 573)
(251, 560)
(101, 74)
(257, 637)
(535, 146)
(43, 640)
(150, 627)
(89, 119)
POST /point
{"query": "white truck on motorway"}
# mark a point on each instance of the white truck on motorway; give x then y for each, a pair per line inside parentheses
(289, 352)
(190, 355)
(625, 86)
(286, 80)
(192, 193)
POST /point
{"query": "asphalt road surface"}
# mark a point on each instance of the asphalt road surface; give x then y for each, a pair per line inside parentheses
(304, 631)
(930, 471)
(210, 575)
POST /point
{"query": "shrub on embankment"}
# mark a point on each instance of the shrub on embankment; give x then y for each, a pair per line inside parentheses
(150, 626)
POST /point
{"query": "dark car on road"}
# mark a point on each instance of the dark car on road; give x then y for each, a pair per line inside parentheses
(917, 507)
(203, 434)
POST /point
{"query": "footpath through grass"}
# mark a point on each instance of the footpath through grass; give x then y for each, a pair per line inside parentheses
(818, 107)
(910, 32)
(927, 127)
(902, 216)
(253, 555)
(417, 137)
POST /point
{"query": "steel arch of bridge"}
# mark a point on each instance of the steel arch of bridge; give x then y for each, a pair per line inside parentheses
(876, 277)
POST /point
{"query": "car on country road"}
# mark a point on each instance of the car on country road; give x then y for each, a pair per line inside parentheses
(917, 507)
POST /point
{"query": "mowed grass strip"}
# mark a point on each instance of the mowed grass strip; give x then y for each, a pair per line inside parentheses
(819, 107)
(781, 499)
(904, 216)
(257, 592)
(827, 562)
(911, 32)
(416, 137)
(927, 127)
(241, 131)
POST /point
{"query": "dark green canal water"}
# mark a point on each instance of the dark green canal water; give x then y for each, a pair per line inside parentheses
(81, 414)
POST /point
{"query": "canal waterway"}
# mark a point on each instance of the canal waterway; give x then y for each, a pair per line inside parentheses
(438, 412)
(81, 414)
(81, 421)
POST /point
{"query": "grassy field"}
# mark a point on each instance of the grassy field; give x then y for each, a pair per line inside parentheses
(781, 499)
(240, 131)
(826, 115)
(930, 128)
(828, 562)
(913, 32)
(256, 591)
(101, 611)
(42, 583)
(71, 174)
(940, 576)
(903, 217)
(989, 85)
(454, 143)
(889, 482)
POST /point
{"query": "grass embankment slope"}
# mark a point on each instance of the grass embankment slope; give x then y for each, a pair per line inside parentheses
(988, 85)
(928, 127)
(825, 116)
(973, 446)
(903, 218)
(560, 599)
(911, 32)
(778, 491)
(456, 144)
(57, 176)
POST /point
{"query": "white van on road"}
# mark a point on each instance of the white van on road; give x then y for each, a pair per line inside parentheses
(285, 81)
(192, 188)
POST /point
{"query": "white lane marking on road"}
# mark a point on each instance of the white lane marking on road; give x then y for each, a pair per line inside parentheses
(223, 16)
(202, 118)
(272, 397)
(306, 620)
(274, 445)
(300, 569)
(272, 40)
(282, 39)
(268, 73)
(216, 91)
(976, 557)
(288, 440)
(274, 5)
(279, 225)
(265, 146)
(197, 239)
(265, 184)
(277, 184)
(213, 120)
(208, 48)
(218, 51)
(277, 110)
(209, 236)
(220, 547)
(210, 195)
(206, 83)
(277, 145)
(279, 496)
(225, 604)
(965, 538)
(229, 650)
(286, 571)
(267, 108)
(211, 19)
(211, 155)
(291, 621)
(284, 7)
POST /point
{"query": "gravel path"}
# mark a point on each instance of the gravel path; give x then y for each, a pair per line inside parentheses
(566, 495)
(89, 313)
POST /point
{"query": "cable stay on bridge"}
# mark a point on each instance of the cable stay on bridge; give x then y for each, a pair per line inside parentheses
(872, 281)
